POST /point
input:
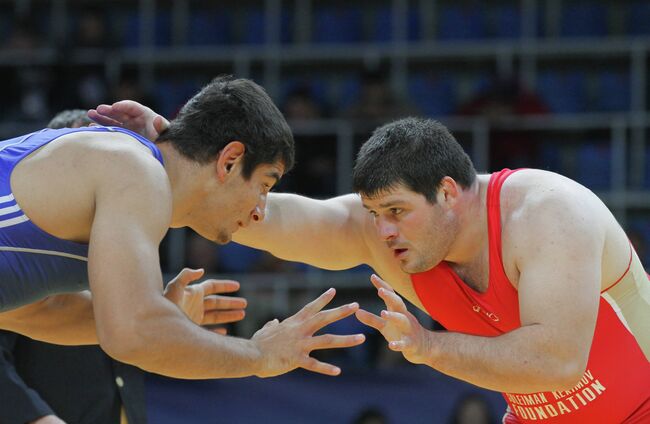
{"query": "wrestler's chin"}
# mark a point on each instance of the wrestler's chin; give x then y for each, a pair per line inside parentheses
(223, 237)
(411, 266)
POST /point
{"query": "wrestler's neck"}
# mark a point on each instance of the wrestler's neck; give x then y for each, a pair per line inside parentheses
(472, 235)
(186, 178)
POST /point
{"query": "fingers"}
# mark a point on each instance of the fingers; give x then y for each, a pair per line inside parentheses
(331, 341)
(187, 275)
(398, 320)
(223, 303)
(221, 330)
(379, 283)
(218, 286)
(399, 345)
(102, 119)
(222, 317)
(371, 320)
(312, 364)
(129, 107)
(323, 318)
(115, 112)
(316, 305)
(160, 124)
(392, 300)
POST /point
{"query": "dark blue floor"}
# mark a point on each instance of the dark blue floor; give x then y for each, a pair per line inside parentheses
(406, 395)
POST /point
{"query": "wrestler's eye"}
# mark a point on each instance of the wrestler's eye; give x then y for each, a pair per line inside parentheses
(373, 213)
(396, 211)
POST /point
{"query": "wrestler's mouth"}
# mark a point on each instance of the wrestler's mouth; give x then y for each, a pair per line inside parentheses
(399, 253)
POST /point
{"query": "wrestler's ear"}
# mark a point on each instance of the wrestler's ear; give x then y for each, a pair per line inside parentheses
(448, 192)
(230, 158)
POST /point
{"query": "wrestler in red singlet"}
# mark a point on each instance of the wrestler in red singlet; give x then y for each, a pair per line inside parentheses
(615, 387)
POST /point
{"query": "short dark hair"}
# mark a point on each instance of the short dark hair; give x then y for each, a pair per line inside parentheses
(228, 110)
(415, 152)
(70, 118)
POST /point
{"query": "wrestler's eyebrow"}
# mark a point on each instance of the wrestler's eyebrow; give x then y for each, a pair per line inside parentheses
(389, 204)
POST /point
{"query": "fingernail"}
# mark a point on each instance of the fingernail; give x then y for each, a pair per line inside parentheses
(359, 338)
(384, 313)
(353, 305)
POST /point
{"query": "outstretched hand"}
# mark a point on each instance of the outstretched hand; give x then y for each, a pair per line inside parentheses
(398, 326)
(201, 301)
(286, 345)
(132, 116)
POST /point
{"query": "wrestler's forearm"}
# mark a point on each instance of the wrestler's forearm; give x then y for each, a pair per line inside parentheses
(522, 361)
(160, 339)
(65, 319)
(322, 233)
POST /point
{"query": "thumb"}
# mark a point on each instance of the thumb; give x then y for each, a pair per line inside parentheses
(187, 275)
(272, 322)
(160, 124)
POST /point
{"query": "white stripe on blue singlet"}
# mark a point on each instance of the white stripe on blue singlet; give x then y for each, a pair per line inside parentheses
(43, 252)
(13, 221)
(23, 138)
(9, 209)
(7, 198)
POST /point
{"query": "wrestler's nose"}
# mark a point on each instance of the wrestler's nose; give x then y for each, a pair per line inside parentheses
(385, 229)
(260, 210)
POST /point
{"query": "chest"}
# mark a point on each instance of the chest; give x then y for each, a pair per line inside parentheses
(459, 307)
(476, 275)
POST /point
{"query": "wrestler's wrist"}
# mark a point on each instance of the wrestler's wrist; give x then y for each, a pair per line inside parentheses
(431, 352)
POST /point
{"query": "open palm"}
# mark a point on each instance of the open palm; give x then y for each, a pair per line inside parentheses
(398, 326)
(201, 302)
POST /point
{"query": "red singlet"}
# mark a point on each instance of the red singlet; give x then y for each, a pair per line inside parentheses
(615, 387)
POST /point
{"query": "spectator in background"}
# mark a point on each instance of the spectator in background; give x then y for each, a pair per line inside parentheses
(501, 99)
(25, 86)
(377, 102)
(34, 87)
(24, 35)
(92, 89)
(129, 88)
(90, 31)
(472, 408)
(316, 158)
(299, 105)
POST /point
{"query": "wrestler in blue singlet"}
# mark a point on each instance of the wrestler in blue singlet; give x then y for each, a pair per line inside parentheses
(33, 263)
